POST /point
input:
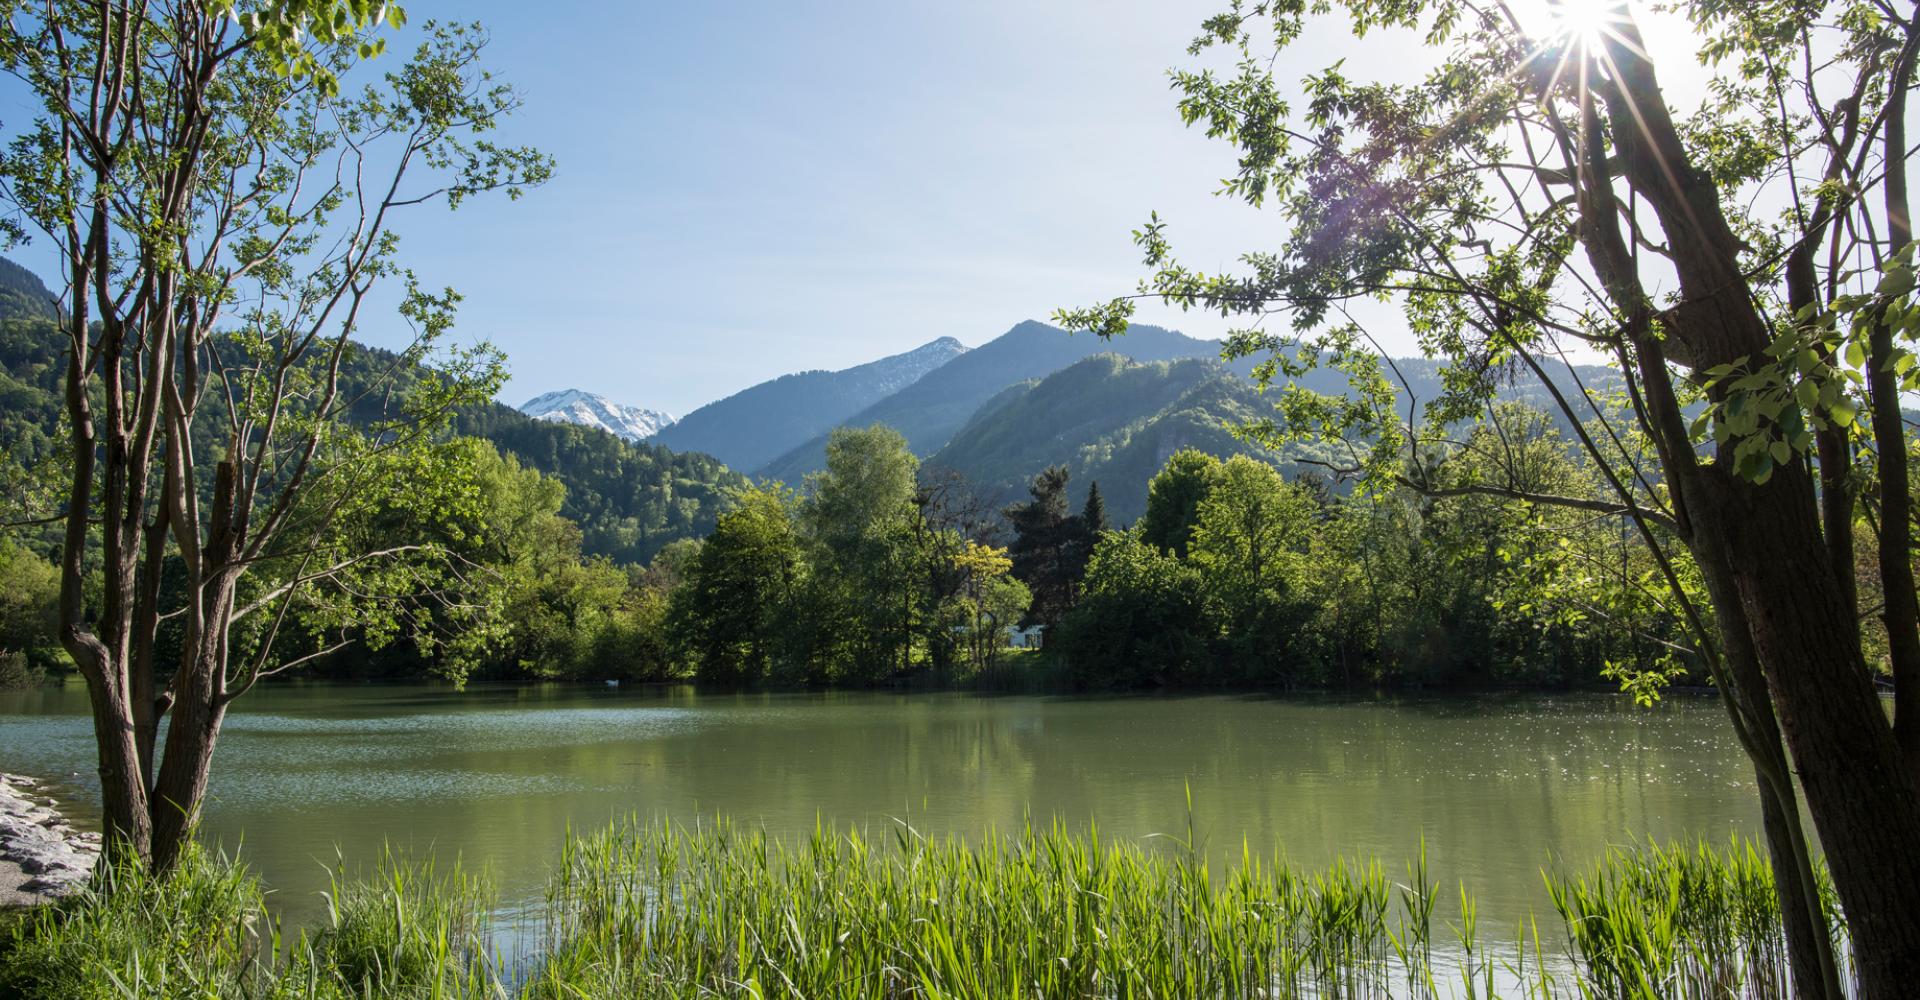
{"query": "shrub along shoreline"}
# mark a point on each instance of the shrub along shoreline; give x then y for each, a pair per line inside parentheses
(652, 909)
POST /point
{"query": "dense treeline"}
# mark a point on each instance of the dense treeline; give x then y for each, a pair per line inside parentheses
(530, 526)
(870, 576)
(878, 572)
(630, 498)
(549, 550)
(1237, 577)
(1234, 577)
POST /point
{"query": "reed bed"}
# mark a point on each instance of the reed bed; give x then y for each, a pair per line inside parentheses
(1682, 921)
(651, 909)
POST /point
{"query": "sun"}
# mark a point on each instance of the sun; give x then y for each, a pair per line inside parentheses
(1583, 22)
(1571, 23)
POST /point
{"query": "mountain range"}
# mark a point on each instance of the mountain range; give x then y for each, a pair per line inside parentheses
(757, 424)
(930, 411)
(1035, 396)
(572, 406)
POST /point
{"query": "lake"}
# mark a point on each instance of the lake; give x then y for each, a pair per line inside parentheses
(1497, 785)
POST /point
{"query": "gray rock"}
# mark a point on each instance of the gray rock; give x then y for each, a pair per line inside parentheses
(44, 855)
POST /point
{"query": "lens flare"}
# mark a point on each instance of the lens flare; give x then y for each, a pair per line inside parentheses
(1583, 22)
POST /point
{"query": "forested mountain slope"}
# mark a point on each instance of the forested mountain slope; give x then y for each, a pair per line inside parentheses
(22, 294)
(930, 411)
(1109, 420)
(629, 498)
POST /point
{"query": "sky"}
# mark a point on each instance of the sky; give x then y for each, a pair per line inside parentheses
(750, 188)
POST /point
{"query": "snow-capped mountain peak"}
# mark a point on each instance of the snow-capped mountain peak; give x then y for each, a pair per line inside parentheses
(572, 406)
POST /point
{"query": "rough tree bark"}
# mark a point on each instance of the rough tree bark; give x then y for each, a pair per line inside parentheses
(1765, 537)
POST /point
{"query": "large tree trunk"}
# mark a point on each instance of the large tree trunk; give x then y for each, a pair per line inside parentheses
(1766, 536)
(1902, 611)
(192, 731)
(1863, 804)
(1810, 959)
(123, 795)
(1810, 955)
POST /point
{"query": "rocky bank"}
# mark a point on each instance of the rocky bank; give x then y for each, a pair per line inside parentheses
(42, 856)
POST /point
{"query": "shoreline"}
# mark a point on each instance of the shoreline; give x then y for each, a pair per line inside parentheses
(43, 856)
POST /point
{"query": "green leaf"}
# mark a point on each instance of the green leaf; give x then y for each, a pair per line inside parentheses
(1896, 281)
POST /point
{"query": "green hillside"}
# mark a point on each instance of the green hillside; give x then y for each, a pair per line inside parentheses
(628, 498)
(1108, 419)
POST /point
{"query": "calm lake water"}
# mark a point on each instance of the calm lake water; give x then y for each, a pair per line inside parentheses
(1497, 786)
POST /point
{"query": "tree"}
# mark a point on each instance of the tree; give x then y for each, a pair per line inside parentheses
(1173, 500)
(1252, 532)
(1094, 514)
(1537, 191)
(952, 520)
(189, 159)
(991, 601)
(1084, 533)
(1250, 522)
(1042, 546)
(29, 599)
(864, 515)
(730, 617)
(1142, 622)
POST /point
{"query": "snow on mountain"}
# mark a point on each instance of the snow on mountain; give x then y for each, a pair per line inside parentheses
(572, 406)
(889, 375)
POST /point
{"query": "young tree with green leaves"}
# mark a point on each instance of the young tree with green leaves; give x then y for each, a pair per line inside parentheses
(864, 516)
(1249, 544)
(990, 601)
(1537, 192)
(731, 615)
(1173, 500)
(1142, 621)
(223, 209)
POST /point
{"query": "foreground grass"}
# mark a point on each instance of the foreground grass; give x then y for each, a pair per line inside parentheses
(652, 910)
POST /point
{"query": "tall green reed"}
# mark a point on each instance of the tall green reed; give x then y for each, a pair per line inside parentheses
(1680, 922)
(659, 910)
(651, 909)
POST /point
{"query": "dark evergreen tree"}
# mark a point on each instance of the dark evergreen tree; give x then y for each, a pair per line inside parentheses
(1042, 535)
(1094, 514)
(1083, 533)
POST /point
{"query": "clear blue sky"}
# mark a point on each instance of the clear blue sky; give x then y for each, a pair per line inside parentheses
(750, 188)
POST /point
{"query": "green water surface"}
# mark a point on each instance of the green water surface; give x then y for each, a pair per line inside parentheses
(1496, 785)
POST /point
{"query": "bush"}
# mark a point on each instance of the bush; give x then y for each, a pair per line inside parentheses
(16, 671)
